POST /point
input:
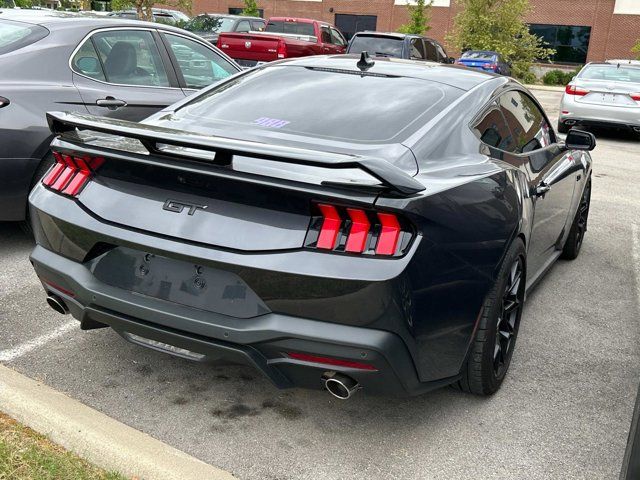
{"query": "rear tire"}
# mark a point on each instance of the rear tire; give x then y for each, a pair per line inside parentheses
(573, 244)
(43, 168)
(492, 348)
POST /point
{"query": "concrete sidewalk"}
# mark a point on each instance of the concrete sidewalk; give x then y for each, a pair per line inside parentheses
(94, 436)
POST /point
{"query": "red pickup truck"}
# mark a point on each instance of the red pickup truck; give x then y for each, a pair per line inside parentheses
(283, 38)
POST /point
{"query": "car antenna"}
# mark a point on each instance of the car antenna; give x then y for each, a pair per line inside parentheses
(365, 62)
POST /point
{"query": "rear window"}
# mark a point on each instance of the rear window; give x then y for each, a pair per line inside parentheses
(296, 28)
(611, 73)
(321, 103)
(378, 46)
(207, 23)
(15, 35)
(478, 56)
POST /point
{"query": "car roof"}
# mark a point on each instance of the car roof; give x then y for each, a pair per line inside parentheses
(490, 52)
(51, 19)
(453, 75)
(228, 15)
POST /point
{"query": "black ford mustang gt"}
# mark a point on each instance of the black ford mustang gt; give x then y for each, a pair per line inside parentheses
(329, 220)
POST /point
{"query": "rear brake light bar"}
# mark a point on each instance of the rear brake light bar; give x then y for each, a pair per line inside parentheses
(573, 90)
(337, 362)
(636, 97)
(354, 230)
(70, 174)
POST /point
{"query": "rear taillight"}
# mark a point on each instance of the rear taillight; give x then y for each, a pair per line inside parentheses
(573, 90)
(282, 49)
(70, 174)
(636, 96)
(492, 66)
(354, 230)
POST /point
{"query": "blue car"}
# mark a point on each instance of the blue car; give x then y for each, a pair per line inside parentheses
(487, 61)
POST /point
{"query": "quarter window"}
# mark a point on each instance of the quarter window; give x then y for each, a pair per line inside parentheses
(199, 65)
(493, 130)
(86, 62)
(526, 121)
(126, 57)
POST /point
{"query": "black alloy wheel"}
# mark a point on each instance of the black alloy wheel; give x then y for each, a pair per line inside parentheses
(508, 319)
(491, 351)
(575, 238)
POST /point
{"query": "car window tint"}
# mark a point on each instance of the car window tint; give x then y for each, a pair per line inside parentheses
(611, 73)
(207, 23)
(337, 37)
(15, 35)
(131, 57)
(432, 53)
(243, 26)
(294, 27)
(379, 46)
(493, 130)
(270, 98)
(199, 65)
(86, 61)
(417, 49)
(257, 25)
(526, 121)
(441, 53)
(326, 35)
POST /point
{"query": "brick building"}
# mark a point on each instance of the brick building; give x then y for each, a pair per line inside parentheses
(579, 30)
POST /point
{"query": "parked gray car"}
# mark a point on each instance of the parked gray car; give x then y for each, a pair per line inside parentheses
(603, 94)
(112, 67)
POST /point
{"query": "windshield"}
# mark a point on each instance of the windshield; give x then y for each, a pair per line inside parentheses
(611, 73)
(321, 103)
(207, 23)
(379, 46)
(478, 56)
(15, 35)
(296, 28)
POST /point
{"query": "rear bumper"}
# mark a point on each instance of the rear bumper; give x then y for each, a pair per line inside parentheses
(595, 115)
(262, 342)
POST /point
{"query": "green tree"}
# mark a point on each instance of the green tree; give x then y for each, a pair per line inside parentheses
(419, 17)
(499, 25)
(250, 9)
(636, 49)
(144, 7)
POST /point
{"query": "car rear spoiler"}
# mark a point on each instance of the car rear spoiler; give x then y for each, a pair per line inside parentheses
(150, 136)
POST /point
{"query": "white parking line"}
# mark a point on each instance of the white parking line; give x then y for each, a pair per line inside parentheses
(635, 232)
(20, 350)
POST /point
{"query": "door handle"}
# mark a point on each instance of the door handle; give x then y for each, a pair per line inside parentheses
(111, 103)
(541, 189)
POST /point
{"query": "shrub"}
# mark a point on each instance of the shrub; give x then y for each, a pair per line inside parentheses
(558, 77)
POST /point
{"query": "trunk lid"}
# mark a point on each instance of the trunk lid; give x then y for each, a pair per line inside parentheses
(237, 195)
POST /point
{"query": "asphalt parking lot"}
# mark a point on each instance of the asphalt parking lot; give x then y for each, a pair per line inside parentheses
(563, 412)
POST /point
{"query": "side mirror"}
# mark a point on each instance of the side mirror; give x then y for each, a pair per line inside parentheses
(580, 140)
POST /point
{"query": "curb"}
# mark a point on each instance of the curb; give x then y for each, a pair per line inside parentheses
(547, 88)
(95, 436)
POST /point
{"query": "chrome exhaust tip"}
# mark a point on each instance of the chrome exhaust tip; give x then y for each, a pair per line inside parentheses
(57, 304)
(339, 385)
